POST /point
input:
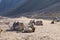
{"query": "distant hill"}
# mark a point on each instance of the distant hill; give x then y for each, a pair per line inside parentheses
(30, 8)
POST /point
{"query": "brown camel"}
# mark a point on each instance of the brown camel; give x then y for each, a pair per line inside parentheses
(52, 22)
(1, 31)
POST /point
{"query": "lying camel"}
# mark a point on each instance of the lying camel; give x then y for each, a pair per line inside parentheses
(21, 27)
(17, 26)
(29, 29)
(52, 22)
(32, 22)
(1, 31)
(33, 28)
(39, 23)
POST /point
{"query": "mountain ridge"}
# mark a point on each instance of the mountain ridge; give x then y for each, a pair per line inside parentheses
(32, 6)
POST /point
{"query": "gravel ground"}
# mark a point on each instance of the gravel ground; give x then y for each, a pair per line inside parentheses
(46, 32)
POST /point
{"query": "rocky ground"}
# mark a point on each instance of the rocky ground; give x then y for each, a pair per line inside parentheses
(46, 32)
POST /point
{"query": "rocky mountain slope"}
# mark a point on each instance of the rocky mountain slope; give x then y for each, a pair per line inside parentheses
(30, 7)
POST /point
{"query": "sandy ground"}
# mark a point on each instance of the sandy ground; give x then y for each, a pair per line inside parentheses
(46, 32)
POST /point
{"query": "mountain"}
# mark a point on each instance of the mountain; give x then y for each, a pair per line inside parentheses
(30, 7)
(9, 5)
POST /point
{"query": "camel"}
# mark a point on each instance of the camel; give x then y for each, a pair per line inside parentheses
(52, 22)
(32, 22)
(57, 19)
(39, 23)
(17, 26)
(1, 31)
(20, 27)
(29, 29)
(33, 28)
